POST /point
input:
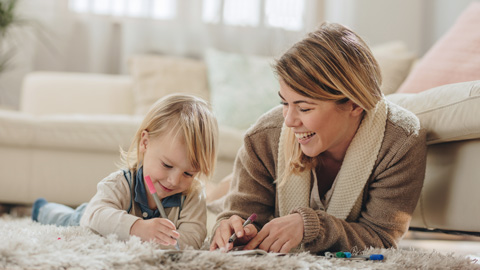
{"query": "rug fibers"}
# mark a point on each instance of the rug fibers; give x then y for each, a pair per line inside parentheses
(28, 245)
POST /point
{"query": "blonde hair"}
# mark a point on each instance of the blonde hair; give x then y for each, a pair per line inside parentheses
(330, 64)
(185, 115)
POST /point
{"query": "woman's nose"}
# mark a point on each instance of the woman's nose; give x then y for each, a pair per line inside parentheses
(290, 118)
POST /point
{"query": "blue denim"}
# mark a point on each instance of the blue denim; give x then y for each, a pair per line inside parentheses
(60, 215)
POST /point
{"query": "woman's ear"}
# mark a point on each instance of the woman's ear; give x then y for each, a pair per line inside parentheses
(143, 141)
(355, 109)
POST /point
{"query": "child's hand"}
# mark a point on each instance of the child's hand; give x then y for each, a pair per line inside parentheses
(160, 230)
(226, 229)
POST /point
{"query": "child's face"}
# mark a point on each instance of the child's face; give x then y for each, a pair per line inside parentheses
(165, 159)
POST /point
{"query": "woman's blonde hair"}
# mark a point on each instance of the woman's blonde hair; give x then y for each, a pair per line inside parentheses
(185, 115)
(330, 64)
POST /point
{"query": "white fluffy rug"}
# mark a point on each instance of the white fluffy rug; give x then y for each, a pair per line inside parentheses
(28, 245)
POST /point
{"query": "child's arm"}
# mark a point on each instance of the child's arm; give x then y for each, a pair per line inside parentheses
(106, 212)
(192, 224)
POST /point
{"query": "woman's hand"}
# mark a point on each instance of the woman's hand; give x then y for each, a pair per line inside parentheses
(226, 229)
(279, 235)
(160, 230)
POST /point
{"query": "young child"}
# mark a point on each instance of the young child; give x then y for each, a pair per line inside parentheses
(175, 145)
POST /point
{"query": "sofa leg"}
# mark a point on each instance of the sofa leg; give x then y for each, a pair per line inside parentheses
(15, 210)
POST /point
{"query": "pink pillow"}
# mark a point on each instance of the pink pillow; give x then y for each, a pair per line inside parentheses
(454, 58)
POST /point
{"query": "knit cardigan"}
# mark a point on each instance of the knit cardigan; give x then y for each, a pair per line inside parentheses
(387, 199)
(294, 189)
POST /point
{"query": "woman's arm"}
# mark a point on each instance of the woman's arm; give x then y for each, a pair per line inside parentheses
(388, 202)
(252, 189)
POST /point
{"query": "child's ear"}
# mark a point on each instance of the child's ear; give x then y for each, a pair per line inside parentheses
(143, 141)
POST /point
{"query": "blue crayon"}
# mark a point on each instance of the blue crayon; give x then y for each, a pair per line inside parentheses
(372, 257)
(348, 255)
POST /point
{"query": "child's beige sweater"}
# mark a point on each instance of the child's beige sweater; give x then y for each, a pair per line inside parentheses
(106, 212)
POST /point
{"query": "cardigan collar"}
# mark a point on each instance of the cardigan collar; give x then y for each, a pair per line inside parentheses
(294, 190)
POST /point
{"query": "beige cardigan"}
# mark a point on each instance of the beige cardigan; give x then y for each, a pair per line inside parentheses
(106, 212)
(388, 199)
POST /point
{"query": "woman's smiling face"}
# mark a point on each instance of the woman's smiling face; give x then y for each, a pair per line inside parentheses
(319, 126)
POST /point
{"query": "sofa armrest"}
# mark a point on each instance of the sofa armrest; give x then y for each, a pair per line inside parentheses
(94, 133)
(76, 93)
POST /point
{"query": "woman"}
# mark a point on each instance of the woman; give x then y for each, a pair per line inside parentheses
(337, 167)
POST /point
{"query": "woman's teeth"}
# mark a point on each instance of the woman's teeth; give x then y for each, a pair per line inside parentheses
(304, 135)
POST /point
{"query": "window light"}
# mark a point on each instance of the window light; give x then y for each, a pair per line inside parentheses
(241, 12)
(211, 11)
(287, 14)
(157, 9)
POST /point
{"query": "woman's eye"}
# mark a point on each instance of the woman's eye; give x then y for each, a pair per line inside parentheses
(304, 110)
(283, 103)
(167, 166)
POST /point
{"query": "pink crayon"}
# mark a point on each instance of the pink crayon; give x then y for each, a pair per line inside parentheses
(153, 191)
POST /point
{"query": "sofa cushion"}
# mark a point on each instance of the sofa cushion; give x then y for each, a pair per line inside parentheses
(395, 62)
(243, 87)
(155, 76)
(448, 112)
(454, 58)
(52, 92)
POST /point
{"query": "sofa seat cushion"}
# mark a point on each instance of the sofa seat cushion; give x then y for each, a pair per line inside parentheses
(84, 132)
(448, 112)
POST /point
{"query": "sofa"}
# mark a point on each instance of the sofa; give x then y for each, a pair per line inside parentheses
(69, 128)
(67, 135)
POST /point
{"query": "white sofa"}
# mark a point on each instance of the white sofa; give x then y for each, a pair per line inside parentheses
(67, 133)
(449, 199)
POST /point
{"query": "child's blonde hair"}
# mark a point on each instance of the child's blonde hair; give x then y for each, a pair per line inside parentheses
(331, 64)
(185, 115)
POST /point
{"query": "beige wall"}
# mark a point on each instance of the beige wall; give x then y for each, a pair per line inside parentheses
(417, 22)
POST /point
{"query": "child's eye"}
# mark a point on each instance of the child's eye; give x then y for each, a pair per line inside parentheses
(166, 165)
(188, 174)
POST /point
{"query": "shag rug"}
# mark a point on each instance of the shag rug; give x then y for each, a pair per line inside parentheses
(28, 245)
